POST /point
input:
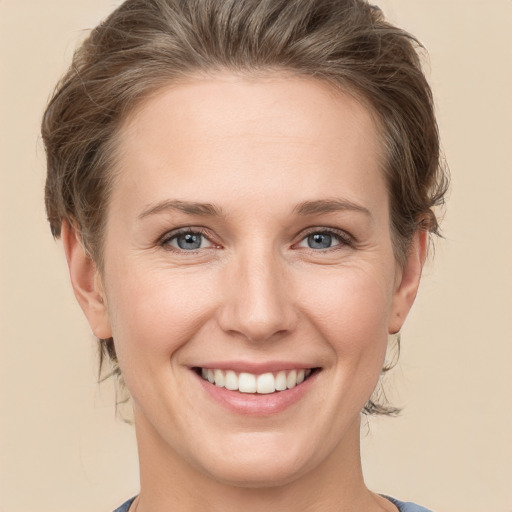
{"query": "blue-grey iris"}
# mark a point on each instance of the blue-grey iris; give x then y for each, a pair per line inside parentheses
(320, 241)
(189, 241)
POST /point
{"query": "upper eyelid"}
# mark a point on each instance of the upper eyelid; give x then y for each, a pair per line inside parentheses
(184, 230)
(170, 235)
(340, 233)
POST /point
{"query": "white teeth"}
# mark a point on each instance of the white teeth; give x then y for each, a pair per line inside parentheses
(231, 381)
(281, 381)
(265, 383)
(247, 383)
(219, 378)
(291, 380)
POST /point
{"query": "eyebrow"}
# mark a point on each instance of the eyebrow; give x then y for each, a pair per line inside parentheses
(306, 208)
(189, 207)
(329, 205)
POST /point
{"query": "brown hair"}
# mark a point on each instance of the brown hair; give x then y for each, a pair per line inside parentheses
(145, 44)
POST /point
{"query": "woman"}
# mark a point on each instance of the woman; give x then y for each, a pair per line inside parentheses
(244, 191)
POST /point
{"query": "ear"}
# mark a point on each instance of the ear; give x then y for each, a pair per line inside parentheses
(86, 282)
(407, 281)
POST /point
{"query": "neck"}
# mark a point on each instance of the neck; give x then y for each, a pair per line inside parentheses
(169, 481)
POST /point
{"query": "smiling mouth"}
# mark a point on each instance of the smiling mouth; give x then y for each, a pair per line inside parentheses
(264, 383)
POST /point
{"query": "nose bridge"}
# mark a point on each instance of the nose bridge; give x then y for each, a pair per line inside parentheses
(258, 304)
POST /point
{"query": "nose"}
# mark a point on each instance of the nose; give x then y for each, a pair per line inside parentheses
(257, 300)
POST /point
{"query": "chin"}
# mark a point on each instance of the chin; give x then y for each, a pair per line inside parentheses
(265, 462)
(273, 473)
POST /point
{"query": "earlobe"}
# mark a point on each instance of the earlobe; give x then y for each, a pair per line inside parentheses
(408, 280)
(86, 282)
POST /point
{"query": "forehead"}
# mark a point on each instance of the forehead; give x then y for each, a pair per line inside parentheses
(228, 135)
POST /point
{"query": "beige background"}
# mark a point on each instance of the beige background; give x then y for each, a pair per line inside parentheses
(61, 448)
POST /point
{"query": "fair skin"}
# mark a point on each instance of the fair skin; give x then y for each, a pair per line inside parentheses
(285, 264)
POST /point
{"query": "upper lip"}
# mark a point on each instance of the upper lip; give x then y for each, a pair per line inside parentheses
(256, 368)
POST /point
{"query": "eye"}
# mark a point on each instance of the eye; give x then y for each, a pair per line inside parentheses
(322, 240)
(187, 241)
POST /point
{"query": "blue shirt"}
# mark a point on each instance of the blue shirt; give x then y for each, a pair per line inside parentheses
(402, 506)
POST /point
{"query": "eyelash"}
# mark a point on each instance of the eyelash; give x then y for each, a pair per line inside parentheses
(168, 237)
(344, 239)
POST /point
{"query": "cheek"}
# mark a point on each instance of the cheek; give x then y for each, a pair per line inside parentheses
(352, 306)
(349, 309)
(351, 312)
(155, 312)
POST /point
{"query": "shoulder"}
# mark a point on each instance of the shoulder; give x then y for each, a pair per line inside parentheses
(406, 506)
(125, 506)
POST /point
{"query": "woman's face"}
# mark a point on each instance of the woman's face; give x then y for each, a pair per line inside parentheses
(248, 241)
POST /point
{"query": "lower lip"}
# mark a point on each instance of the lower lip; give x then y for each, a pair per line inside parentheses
(254, 404)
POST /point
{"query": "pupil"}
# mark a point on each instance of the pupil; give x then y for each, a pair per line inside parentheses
(189, 241)
(320, 241)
